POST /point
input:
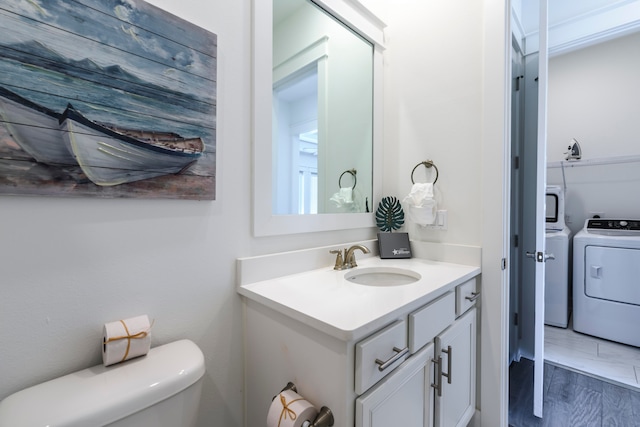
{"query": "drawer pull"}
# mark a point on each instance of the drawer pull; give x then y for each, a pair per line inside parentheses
(449, 353)
(474, 296)
(382, 365)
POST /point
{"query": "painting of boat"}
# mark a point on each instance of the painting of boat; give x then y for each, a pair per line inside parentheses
(143, 84)
(109, 155)
(34, 128)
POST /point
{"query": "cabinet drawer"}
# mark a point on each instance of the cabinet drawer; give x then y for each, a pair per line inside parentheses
(430, 320)
(465, 296)
(388, 345)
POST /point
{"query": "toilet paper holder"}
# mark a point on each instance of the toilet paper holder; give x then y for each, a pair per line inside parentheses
(324, 417)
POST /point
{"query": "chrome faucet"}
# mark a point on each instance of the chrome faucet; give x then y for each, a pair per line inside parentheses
(349, 259)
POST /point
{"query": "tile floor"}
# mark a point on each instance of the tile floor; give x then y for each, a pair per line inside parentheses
(607, 360)
(570, 399)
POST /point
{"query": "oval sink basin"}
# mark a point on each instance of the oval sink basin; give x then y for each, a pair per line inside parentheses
(382, 276)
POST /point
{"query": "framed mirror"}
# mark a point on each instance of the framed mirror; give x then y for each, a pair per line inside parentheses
(317, 115)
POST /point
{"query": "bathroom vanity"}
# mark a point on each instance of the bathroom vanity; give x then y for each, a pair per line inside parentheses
(398, 354)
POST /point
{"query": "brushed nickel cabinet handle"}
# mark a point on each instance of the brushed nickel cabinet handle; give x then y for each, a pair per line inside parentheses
(474, 296)
(382, 365)
(449, 353)
(438, 378)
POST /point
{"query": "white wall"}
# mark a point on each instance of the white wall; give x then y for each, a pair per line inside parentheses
(445, 100)
(70, 265)
(593, 97)
(433, 108)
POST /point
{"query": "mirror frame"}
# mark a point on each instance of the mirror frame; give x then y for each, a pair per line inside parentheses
(265, 223)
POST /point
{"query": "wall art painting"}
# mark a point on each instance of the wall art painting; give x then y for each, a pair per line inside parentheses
(106, 98)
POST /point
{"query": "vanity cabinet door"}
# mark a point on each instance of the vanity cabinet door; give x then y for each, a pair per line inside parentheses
(456, 350)
(404, 398)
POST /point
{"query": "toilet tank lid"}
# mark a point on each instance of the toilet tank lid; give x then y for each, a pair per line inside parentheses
(101, 395)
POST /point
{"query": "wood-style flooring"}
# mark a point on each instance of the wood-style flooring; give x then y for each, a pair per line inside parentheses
(570, 399)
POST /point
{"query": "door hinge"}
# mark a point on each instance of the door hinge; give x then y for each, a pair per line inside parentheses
(503, 264)
(515, 319)
(516, 240)
(516, 162)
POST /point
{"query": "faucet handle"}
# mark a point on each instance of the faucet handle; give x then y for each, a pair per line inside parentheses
(339, 260)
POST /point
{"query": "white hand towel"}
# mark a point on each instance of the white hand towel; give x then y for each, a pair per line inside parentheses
(344, 197)
(419, 193)
(347, 194)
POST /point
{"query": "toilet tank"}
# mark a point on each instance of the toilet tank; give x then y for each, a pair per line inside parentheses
(154, 390)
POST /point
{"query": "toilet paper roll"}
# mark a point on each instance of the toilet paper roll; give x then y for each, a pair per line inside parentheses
(289, 409)
(125, 339)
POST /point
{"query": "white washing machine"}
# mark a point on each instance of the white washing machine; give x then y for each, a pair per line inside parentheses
(606, 280)
(556, 276)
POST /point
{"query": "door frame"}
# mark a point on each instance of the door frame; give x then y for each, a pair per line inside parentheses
(495, 159)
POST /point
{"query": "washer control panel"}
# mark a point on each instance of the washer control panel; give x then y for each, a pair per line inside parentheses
(614, 224)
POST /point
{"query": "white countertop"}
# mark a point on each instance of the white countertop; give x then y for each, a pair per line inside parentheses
(326, 301)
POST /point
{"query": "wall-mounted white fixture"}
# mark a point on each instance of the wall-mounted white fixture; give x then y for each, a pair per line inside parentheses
(575, 152)
(440, 223)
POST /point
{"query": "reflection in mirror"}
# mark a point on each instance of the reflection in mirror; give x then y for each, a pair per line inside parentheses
(300, 174)
(322, 113)
(295, 140)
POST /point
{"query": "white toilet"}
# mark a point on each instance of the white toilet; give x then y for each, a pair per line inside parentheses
(161, 389)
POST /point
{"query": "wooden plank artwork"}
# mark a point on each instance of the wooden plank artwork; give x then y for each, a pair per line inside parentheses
(106, 98)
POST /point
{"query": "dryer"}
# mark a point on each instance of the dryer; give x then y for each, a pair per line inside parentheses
(606, 280)
(556, 276)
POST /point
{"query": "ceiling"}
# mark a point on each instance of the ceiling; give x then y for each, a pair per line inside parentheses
(561, 11)
(575, 23)
(572, 23)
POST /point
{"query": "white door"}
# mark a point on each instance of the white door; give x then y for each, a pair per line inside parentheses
(403, 398)
(540, 257)
(532, 240)
(456, 398)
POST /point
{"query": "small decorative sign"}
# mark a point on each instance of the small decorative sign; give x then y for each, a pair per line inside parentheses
(394, 245)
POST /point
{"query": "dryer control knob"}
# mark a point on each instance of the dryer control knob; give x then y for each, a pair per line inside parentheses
(623, 223)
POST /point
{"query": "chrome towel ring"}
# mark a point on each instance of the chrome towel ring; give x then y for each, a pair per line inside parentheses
(353, 173)
(428, 164)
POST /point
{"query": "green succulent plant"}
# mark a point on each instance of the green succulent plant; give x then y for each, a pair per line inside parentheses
(389, 215)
